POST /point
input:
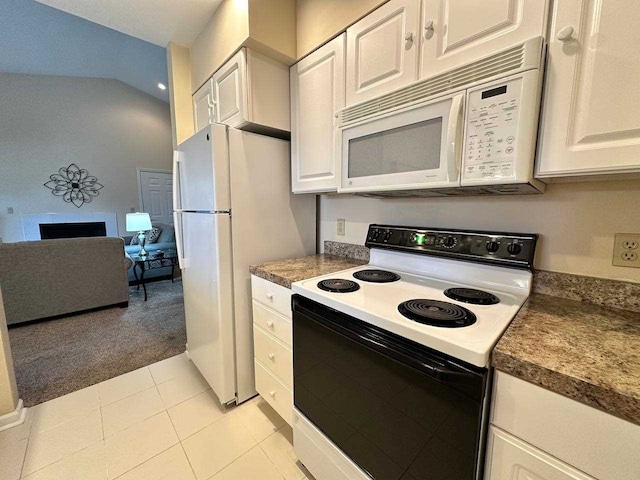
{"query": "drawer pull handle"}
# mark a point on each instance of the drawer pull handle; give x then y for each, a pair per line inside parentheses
(272, 393)
(270, 323)
(271, 356)
(269, 296)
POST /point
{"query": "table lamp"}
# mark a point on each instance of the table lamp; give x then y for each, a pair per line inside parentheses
(139, 222)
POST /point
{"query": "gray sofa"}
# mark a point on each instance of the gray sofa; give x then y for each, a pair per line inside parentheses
(47, 278)
(166, 241)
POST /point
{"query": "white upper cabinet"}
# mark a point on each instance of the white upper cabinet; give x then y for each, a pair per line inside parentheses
(317, 93)
(456, 32)
(382, 50)
(590, 115)
(250, 92)
(203, 106)
(229, 86)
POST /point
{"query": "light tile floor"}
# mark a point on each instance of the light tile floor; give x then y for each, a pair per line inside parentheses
(159, 422)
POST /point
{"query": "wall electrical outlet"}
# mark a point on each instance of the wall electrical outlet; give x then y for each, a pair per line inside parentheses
(340, 228)
(626, 250)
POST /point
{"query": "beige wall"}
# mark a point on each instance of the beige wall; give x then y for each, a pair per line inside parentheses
(8, 390)
(223, 35)
(103, 125)
(576, 221)
(320, 20)
(272, 25)
(179, 66)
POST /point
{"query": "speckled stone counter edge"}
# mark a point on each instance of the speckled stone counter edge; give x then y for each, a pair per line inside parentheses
(349, 250)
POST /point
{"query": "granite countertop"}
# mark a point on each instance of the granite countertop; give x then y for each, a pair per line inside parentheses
(285, 272)
(583, 351)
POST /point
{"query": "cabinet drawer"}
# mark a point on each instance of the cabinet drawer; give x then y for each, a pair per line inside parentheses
(272, 322)
(273, 355)
(509, 458)
(274, 392)
(272, 295)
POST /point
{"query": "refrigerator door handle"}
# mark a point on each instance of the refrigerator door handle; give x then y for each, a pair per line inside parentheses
(176, 179)
(177, 221)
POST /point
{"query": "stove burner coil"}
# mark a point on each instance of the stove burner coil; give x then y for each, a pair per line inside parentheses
(471, 295)
(338, 285)
(436, 313)
(376, 276)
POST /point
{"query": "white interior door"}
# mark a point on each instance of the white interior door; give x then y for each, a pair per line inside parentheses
(156, 195)
(208, 299)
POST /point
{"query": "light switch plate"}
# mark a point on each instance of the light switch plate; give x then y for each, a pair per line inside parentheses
(626, 250)
(340, 227)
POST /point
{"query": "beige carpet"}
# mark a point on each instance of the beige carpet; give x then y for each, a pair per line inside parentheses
(56, 357)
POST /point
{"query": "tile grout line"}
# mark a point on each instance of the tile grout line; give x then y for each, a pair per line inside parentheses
(181, 445)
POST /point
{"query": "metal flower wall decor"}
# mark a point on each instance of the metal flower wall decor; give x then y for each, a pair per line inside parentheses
(74, 185)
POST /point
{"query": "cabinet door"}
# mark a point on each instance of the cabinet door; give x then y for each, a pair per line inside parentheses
(456, 32)
(203, 108)
(317, 93)
(230, 91)
(509, 458)
(382, 50)
(590, 120)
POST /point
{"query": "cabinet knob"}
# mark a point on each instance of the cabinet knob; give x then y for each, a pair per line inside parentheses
(272, 393)
(565, 34)
(270, 323)
(409, 37)
(269, 296)
(428, 25)
(271, 356)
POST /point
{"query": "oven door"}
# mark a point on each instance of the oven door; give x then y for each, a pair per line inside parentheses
(417, 147)
(398, 409)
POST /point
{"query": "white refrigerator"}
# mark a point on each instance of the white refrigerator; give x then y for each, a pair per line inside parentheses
(233, 208)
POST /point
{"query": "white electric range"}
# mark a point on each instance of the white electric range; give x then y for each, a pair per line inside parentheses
(391, 359)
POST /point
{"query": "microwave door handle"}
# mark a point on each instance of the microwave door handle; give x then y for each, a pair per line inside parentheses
(454, 136)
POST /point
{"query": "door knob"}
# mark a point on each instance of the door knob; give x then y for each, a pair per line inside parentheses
(271, 356)
(409, 37)
(428, 25)
(565, 34)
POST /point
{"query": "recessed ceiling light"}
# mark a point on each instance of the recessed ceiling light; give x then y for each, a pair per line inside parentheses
(162, 86)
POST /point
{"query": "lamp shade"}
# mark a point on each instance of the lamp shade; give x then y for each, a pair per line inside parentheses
(138, 222)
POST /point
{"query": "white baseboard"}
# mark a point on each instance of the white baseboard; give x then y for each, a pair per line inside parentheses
(15, 418)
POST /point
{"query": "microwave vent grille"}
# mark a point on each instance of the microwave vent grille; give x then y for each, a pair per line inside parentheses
(507, 189)
(502, 63)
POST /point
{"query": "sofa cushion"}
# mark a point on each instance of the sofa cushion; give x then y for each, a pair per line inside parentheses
(168, 233)
(153, 235)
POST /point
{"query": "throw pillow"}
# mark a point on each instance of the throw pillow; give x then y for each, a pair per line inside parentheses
(153, 235)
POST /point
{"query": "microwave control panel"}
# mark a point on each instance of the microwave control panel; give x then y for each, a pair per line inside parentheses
(491, 134)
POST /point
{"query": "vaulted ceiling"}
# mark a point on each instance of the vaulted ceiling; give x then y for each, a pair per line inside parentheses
(37, 39)
(156, 21)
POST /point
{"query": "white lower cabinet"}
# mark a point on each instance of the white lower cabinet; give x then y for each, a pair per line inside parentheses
(536, 434)
(273, 355)
(509, 458)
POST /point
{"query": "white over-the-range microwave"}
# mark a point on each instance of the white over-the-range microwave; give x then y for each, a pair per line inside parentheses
(469, 131)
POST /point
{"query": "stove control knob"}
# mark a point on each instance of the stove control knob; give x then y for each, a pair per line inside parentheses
(387, 235)
(514, 248)
(375, 234)
(492, 246)
(449, 242)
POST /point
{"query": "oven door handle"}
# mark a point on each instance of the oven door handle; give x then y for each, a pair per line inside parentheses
(391, 345)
